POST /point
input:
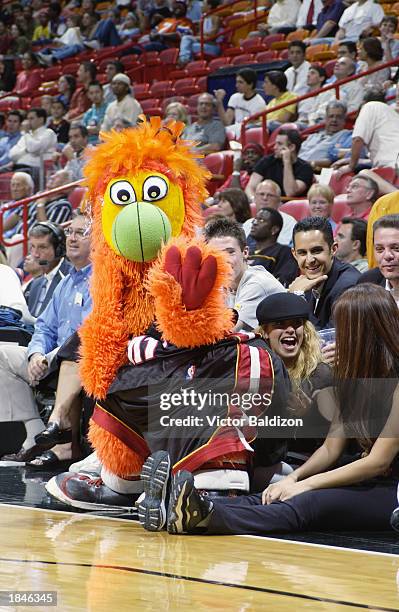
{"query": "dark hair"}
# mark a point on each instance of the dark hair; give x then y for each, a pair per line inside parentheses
(239, 202)
(367, 349)
(32, 56)
(39, 112)
(275, 217)
(221, 228)
(16, 113)
(374, 94)
(82, 128)
(322, 72)
(90, 67)
(314, 223)
(359, 232)
(298, 43)
(373, 48)
(71, 82)
(350, 45)
(390, 19)
(386, 222)
(249, 76)
(278, 79)
(56, 233)
(120, 68)
(96, 84)
(293, 136)
(8, 78)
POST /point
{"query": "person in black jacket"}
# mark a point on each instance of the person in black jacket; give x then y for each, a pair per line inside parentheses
(276, 258)
(324, 278)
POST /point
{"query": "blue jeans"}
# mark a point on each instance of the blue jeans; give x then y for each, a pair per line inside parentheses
(189, 45)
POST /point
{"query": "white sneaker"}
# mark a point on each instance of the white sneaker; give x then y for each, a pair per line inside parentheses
(88, 465)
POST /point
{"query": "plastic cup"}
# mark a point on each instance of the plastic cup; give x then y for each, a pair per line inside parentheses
(327, 336)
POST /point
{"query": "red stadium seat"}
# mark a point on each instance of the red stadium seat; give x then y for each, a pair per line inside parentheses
(299, 209)
(52, 73)
(340, 209)
(150, 103)
(186, 87)
(141, 91)
(192, 102)
(169, 57)
(221, 166)
(162, 89)
(268, 40)
(339, 183)
(244, 58)
(266, 56)
(202, 83)
(218, 62)
(329, 67)
(253, 45)
(231, 51)
(386, 173)
(198, 68)
(76, 196)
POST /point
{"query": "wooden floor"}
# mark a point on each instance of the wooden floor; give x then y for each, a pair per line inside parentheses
(97, 564)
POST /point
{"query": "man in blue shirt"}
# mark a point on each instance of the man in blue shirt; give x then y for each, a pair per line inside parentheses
(93, 118)
(21, 368)
(11, 137)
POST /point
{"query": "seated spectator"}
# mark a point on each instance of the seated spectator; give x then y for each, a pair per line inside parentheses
(19, 43)
(268, 195)
(371, 54)
(29, 78)
(389, 43)
(176, 111)
(168, 32)
(74, 150)
(66, 89)
(359, 19)
(351, 240)
(47, 250)
(233, 205)
(362, 192)
(207, 131)
(275, 84)
(125, 105)
(308, 110)
(94, 117)
(151, 12)
(69, 44)
(80, 102)
(249, 284)
(42, 32)
(321, 149)
(293, 175)
(58, 123)
(21, 186)
(308, 14)
(111, 69)
(327, 20)
(323, 277)
(11, 137)
(351, 93)
(274, 257)
(57, 21)
(55, 208)
(36, 144)
(7, 75)
(282, 16)
(386, 254)
(22, 368)
(105, 34)
(297, 74)
(243, 166)
(45, 102)
(321, 202)
(129, 27)
(4, 38)
(190, 44)
(376, 128)
(244, 103)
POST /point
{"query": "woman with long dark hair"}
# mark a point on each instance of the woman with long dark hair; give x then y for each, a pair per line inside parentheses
(359, 495)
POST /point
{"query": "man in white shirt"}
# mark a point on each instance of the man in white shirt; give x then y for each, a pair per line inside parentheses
(36, 144)
(268, 193)
(359, 19)
(297, 74)
(125, 106)
(249, 284)
(352, 93)
(308, 13)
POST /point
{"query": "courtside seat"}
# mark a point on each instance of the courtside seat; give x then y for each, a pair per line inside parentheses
(299, 209)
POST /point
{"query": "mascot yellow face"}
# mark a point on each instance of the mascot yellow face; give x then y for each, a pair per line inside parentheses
(141, 211)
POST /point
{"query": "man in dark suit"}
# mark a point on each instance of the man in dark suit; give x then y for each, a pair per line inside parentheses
(386, 254)
(47, 247)
(324, 278)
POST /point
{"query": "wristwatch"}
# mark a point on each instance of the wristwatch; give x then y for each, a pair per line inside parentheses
(300, 293)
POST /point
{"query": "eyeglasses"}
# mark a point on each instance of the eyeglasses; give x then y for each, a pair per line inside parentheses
(80, 233)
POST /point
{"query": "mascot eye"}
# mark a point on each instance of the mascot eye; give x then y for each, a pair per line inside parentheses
(154, 188)
(122, 193)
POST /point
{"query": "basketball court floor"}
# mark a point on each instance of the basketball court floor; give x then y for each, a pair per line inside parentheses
(95, 562)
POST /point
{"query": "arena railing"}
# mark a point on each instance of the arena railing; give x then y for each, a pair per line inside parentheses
(336, 85)
(223, 33)
(25, 203)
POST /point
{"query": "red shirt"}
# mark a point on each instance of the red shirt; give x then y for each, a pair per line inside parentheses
(79, 104)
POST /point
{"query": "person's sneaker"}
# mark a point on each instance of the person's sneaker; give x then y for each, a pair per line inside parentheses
(395, 519)
(155, 478)
(81, 491)
(188, 508)
(89, 465)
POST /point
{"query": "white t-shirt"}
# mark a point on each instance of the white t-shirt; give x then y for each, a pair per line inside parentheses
(283, 13)
(255, 284)
(11, 294)
(378, 126)
(358, 17)
(244, 108)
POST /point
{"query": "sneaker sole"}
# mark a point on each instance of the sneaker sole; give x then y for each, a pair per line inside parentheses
(180, 511)
(155, 477)
(54, 490)
(12, 463)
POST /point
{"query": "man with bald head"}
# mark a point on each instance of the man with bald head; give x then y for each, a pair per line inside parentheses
(208, 131)
(21, 186)
(351, 93)
(268, 193)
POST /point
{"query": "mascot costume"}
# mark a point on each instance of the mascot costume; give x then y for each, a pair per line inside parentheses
(159, 325)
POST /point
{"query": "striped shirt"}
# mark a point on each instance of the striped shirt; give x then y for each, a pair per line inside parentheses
(57, 211)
